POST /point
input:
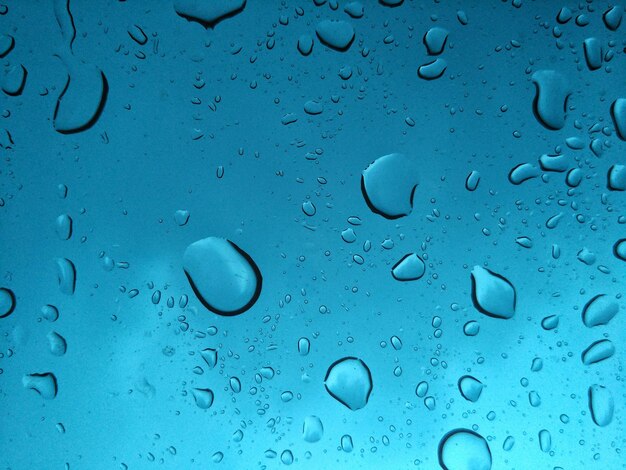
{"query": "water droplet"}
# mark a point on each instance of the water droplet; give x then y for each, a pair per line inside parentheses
(63, 226)
(204, 397)
(346, 443)
(410, 268)
(598, 352)
(304, 346)
(66, 276)
(312, 429)
(50, 313)
(14, 80)
(349, 381)
(471, 183)
(508, 443)
(286, 457)
(210, 357)
(388, 185)
(492, 293)
(224, 278)
(58, 345)
(545, 440)
(336, 34)
(549, 105)
(470, 388)
(435, 40)
(471, 328)
(600, 405)
(44, 384)
(600, 310)
(464, 449)
(432, 70)
(208, 14)
(7, 302)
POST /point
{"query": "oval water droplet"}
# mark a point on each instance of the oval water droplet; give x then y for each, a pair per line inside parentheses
(349, 381)
(599, 310)
(66, 276)
(471, 183)
(601, 405)
(224, 278)
(545, 440)
(598, 352)
(346, 443)
(63, 226)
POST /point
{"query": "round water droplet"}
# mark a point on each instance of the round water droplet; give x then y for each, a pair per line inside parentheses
(224, 278)
(349, 381)
(463, 449)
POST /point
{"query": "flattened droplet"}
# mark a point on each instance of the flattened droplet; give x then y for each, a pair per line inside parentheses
(7, 43)
(312, 429)
(492, 293)
(224, 278)
(82, 100)
(349, 381)
(549, 105)
(410, 268)
(388, 185)
(463, 449)
(601, 405)
(545, 440)
(471, 183)
(470, 388)
(66, 276)
(619, 249)
(613, 17)
(336, 34)
(210, 13)
(599, 311)
(597, 352)
(593, 53)
(58, 345)
(203, 397)
(7, 302)
(44, 384)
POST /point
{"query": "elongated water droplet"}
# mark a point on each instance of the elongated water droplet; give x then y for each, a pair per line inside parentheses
(601, 405)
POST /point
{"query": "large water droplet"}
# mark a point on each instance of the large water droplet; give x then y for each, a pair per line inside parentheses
(492, 293)
(223, 277)
(44, 384)
(388, 185)
(336, 34)
(598, 352)
(204, 397)
(349, 381)
(463, 449)
(7, 302)
(312, 429)
(58, 345)
(410, 268)
(66, 276)
(470, 388)
(549, 105)
(599, 310)
(601, 405)
(208, 14)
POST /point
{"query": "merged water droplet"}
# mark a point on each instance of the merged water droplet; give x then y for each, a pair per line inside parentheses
(549, 105)
(336, 34)
(463, 449)
(492, 294)
(224, 278)
(432, 70)
(208, 14)
(44, 384)
(349, 381)
(388, 185)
